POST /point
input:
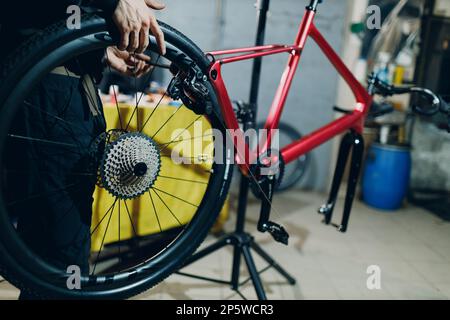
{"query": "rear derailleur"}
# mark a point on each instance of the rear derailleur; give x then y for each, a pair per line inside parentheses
(190, 86)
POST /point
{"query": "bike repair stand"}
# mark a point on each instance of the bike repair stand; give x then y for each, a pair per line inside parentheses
(242, 241)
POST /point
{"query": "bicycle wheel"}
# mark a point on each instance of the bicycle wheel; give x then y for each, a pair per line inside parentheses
(51, 157)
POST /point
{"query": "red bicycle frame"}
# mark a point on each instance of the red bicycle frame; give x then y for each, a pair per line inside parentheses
(352, 121)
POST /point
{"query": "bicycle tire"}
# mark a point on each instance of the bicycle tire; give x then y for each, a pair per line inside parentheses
(19, 265)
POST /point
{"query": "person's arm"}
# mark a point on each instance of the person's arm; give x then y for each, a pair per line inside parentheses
(135, 20)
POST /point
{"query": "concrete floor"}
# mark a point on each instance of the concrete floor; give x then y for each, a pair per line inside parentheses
(411, 247)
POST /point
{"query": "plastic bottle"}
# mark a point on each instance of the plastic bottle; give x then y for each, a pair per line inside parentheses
(382, 66)
(405, 61)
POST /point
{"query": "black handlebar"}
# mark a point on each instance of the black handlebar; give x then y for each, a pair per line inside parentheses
(376, 86)
(436, 103)
(431, 97)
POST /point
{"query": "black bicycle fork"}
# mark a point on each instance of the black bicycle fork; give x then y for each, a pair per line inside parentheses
(352, 142)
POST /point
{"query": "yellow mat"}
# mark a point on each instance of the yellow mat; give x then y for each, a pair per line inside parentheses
(173, 200)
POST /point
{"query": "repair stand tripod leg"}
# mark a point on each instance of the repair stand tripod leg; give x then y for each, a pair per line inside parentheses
(254, 275)
(242, 243)
(257, 248)
(239, 229)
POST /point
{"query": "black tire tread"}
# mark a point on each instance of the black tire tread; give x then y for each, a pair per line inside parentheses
(49, 35)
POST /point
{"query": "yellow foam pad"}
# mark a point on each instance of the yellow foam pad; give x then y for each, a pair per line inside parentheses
(173, 200)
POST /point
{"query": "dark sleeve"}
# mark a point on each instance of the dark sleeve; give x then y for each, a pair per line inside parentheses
(108, 6)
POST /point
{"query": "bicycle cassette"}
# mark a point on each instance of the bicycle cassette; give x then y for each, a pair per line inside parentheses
(130, 165)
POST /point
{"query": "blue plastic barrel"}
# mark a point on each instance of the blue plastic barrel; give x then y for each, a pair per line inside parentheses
(386, 176)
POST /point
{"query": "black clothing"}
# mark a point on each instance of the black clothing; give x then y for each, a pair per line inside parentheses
(22, 14)
(55, 180)
(55, 224)
(21, 19)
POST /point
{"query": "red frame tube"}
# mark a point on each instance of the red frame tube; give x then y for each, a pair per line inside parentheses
(353, 121)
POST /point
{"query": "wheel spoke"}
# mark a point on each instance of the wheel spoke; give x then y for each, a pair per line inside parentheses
(188, 139)
(153, 111)
(154, 210)
(30, 105)
(131, 220)
(115, 94)
(32, 227)
(181, 179)
(64, 110)
(136, 91)
(66, 105)
(59, 116)
(179, 134)
(37, 196)
(181, 157)
(173, 215)
(103, 240)
(104, 216)
(171, 116)
(88, 236)
(118, 227)
(19, 137)
(19, 172)
(174, 196)
(136, 108)
(150, 76)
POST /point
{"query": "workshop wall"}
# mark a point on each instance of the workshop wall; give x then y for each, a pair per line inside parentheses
(431, 156)
(314, 90)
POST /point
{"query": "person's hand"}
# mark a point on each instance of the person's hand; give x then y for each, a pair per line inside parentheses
(129, 64)
(135, 20)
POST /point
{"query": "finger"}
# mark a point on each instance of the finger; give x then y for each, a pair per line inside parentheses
(143, 39)
(134, 41)
(147, 69)
(118, 65)
(144, 71)
(159, 35)
(137, 68)
(124, 39)
(140, 66)
(133, 59)
(143, 57)
(130, 73)
(155, 4)
(140, 74)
